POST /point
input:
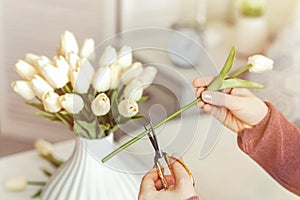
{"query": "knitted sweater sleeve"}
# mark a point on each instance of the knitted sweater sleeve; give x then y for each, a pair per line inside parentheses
(274, 144)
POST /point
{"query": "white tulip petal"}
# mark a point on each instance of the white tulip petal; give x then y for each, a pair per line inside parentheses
(100, 105)
(72, 59)
(41, 62)
(108, 57)
(115, 75)
(40, 86)
(23, 89)
(134, 90)
(61, 63)
(68, 44)
(88, 69)
(44, 147)
(87, 49)
(101, 80)
(132, 72)
(51, 102)
(128, 108)
(55, 77)
(147, 76)
(72, 103)
(25, 70)
(260, 63)
(79, 80)
(125, 57)
(31, 58)
(16, 184)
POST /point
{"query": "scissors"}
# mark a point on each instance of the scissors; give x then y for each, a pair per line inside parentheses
(163, 156)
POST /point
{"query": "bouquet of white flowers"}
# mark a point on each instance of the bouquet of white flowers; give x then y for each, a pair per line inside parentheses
(68, 88)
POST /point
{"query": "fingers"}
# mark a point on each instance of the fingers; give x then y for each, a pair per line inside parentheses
(220, 99)
(170, 181)
(182, 178)
(203, 82)
(149, 180)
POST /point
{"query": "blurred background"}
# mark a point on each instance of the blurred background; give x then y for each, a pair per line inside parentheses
(35, 26)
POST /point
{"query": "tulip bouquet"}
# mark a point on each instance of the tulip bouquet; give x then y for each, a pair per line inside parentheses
(256, 64)
(68, 88)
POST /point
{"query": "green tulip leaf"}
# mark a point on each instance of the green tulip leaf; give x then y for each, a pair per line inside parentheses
(47, 116)
(239, 83)
(217, 83)
(36, 105)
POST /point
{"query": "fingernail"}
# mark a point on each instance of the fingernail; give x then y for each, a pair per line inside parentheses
(206, 96)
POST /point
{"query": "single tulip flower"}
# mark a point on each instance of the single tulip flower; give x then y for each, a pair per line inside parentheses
(25, 70)
(132, 72)
(55, 77)
(101, 80)
(79, 80)
(44, 147)
(260, 64)
(108, 56)
(87, 49)
(88, 69)
(23, 89)
(72, 103)
(68, 44)
(125, 57)
(40, 86)
(16, 184)
(128, 108)
(147, 76)
(100, 105)
(51, 102)
(134, 90)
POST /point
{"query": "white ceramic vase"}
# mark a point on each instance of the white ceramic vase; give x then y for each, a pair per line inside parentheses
(251, 35)
(83, 177)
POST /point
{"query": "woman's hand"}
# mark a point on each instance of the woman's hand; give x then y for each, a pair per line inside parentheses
(237, 108)
(181, 185)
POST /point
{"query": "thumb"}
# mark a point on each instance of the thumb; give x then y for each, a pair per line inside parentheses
(182, 178)
(220, 99)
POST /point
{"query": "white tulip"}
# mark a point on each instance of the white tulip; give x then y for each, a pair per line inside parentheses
(61, 63)
(72, 103)
(25, 70)
(44, 147)
(260, 63)
(40, 86)
(134, 90)
(55, 77)
(115, 75)
(87, 49)
(100, 105)
(88, 69)
(72, 59)
(147, 76)
(101, 80)
(68, 44)
(108, 57)
(125, 57)
(132, 72)
(31, 58)
(16, 184)
(79, 80)
(23, 89)
(128, 108)
(51, 102)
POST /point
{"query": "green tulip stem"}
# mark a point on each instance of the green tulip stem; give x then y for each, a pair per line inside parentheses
(140, 136)
(37, 183)
(241, 71)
